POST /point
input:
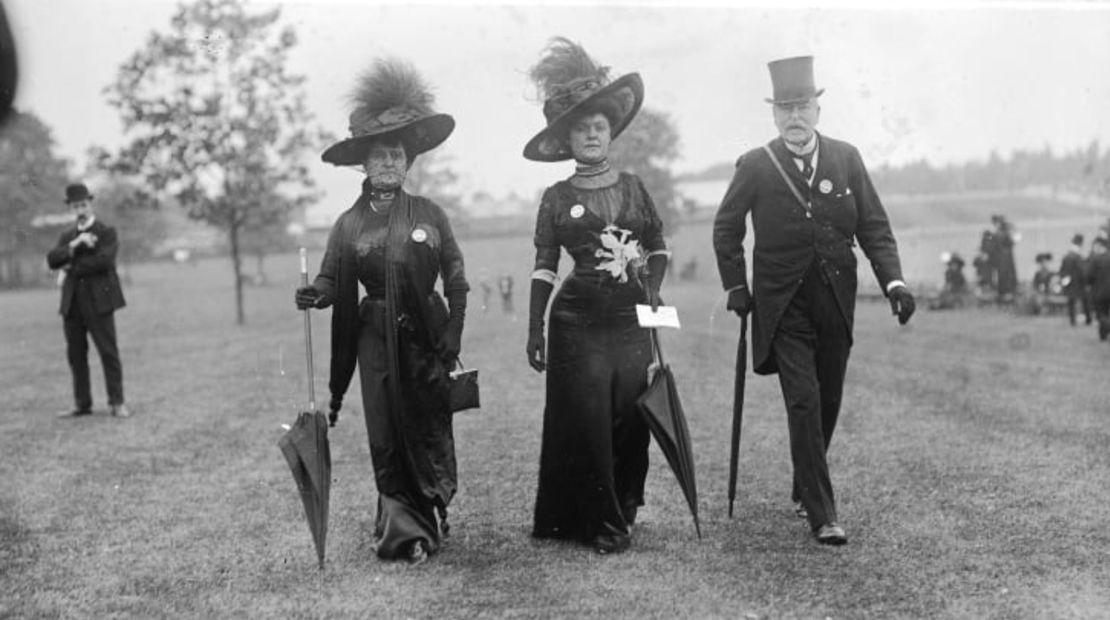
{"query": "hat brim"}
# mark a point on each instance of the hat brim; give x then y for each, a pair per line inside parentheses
(815, 95)
(418, 136)
(70, 201)
(550, 143)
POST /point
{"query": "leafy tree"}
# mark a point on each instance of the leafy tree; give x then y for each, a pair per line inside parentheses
(217, 122)
(32, 182)
(136, 215)
(646, 148)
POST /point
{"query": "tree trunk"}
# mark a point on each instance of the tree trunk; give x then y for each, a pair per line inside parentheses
(237, 267)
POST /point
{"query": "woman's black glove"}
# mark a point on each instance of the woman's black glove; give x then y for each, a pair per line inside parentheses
(537, 346)
(656, 269)
(450, 341)
(740, 301)
(308, 297)
(333, 409)
(537, 350)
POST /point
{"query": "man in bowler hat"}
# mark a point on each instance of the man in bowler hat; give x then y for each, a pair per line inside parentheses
(91, 294)
(811, 201)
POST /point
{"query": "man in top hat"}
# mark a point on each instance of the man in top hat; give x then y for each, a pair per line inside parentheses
(811, 201)
(90, 296)
(1073, 278)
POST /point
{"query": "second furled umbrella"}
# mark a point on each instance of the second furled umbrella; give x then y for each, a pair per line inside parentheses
(662, 410)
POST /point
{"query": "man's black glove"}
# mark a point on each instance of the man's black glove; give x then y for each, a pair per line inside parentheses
(308, 297)
(740, 301)
(902, 304)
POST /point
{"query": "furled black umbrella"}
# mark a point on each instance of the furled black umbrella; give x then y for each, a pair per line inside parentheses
(662, 410)
(305, 447)
(737, 410)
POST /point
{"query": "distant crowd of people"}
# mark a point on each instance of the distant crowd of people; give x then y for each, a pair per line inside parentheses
(1081, 282)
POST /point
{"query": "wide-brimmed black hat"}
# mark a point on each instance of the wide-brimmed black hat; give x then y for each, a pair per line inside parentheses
(391, 101)
(572, 82)
(792, 80)
(1043, 256)
(76, 192)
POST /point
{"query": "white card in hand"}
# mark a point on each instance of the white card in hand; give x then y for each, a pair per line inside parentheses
(664, 316)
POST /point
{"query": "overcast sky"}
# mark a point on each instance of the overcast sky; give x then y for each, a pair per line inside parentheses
(938, 81)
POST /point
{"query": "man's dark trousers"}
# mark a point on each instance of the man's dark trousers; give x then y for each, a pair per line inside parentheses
(83, 321)
(811, 347)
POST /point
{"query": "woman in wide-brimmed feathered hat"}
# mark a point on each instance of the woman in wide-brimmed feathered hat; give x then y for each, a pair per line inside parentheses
(403, 337)
(594, 456)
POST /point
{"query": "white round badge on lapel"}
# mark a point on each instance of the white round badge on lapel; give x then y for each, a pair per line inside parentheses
(577, 211)
(419, 235)
(825, 186)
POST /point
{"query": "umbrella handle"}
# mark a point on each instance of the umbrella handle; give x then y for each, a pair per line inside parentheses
(308, 336)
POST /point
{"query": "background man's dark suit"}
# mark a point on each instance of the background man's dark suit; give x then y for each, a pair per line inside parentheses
(804, 286)
(1073, 272)
(1099, 279)
(90, 295)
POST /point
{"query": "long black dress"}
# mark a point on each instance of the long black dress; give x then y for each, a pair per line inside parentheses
(393, 333)
(594, 456)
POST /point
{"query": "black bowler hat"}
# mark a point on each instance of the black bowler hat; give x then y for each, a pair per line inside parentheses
(792, 80)
(77, 192)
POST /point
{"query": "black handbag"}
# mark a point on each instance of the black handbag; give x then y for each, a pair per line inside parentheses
(462, 390)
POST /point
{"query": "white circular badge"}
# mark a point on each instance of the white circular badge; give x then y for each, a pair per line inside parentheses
(577, 211)
(825, 186)
(419, 235)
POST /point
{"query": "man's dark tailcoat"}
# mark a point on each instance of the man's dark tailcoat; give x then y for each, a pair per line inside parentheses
(788, 241)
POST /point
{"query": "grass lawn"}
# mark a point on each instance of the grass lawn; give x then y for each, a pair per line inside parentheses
(970, 464)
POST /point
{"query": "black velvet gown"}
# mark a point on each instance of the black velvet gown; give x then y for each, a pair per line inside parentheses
(594, 456)
(392, 332)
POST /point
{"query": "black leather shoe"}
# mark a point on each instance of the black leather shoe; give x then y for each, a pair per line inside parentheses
(831, 534)
(76, 413)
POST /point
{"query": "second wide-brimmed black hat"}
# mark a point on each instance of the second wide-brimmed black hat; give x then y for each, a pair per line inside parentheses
(391, 100)
(572, 82)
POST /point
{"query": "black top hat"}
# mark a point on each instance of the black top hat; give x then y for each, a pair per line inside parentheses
(792, 80)
(572, 83)
(76, 192)
(391, 101)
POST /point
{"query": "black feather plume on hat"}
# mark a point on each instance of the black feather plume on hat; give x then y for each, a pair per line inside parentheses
(389, 83)
(390, 99)
(563, 64)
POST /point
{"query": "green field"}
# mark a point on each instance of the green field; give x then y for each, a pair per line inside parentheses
(970, 464)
